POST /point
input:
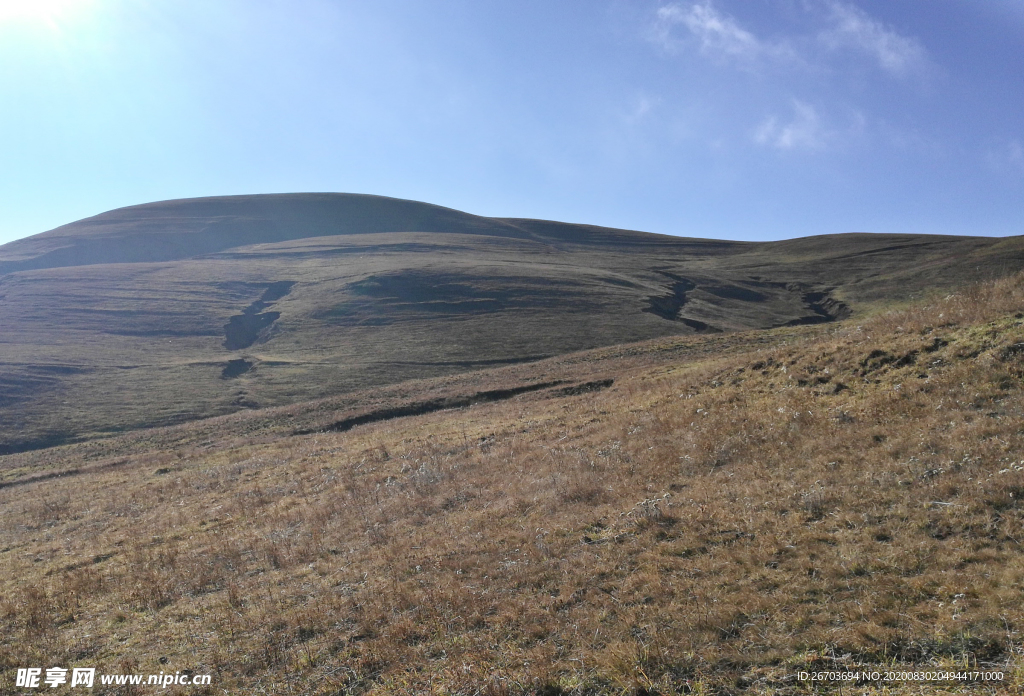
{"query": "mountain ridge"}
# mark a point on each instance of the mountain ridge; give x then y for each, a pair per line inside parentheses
(215, 223)
(177, 310)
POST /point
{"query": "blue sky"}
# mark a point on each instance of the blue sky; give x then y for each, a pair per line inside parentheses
(738, 119)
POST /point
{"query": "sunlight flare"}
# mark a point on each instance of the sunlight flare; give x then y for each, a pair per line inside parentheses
(46, 10)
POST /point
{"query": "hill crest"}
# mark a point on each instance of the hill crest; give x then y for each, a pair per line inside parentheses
(172, 311)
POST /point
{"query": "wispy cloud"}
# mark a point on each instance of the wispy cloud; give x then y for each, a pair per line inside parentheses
(716, 32)
(806, 129)
(826, 38)
(841, 27)
(641, 107)
(854, 28)
(718, 35)
(803, 131)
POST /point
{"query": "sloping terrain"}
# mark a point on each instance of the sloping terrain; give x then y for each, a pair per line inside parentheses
(707, 514)
(173, 311)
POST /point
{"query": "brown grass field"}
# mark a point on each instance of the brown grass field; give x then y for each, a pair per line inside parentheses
(698, 514)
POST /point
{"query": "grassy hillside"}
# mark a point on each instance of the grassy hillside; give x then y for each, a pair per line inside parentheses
(168, 312)
(697, 514)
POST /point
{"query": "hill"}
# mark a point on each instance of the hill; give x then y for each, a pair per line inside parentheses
(708, 514)
(169, 312)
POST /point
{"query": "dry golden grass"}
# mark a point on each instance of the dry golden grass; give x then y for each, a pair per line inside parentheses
(835, 499)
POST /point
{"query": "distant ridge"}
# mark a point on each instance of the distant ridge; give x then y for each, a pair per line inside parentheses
(179, 229)
(167, 312)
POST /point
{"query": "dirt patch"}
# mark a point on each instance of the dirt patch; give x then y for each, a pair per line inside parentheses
(585, 387)
(424, 407)
(41, 477)
(275, 291)
(668, 306)
(819, 305)
(823, 306)
(699, 326)
(62, 474)
(245, 329)
(236, 368)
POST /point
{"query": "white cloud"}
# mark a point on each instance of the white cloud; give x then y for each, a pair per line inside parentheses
(807, 129)
(639, 109)
(830, 37)
(717, 34)
(803, 131)
(854, 28)
(842, 26)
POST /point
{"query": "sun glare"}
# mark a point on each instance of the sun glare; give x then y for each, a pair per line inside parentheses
(47, 10)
